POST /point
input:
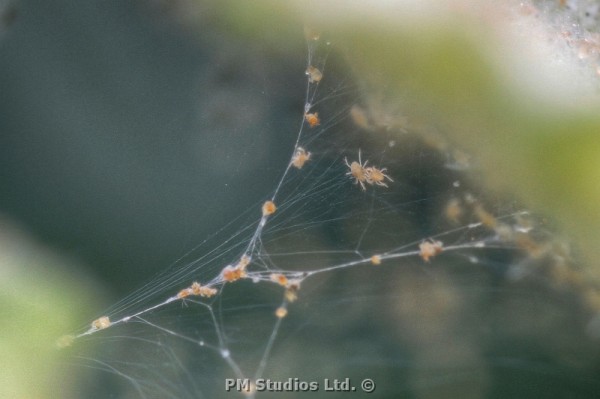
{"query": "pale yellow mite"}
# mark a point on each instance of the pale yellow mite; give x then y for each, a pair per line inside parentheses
(197, 290)
(281, 312)
(291, 293)
(376, 260)
(268, 208)
(233, 273)
(357, 171)
(279, 279)
(300, 157)
(377, 176)
(453, 210)
(244, 261)
(314, 75)
(312, 119)
(359, 117)
(361, 173)
(430, 248)
(101, 323)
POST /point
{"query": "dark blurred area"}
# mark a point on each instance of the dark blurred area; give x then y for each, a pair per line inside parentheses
(119, 125)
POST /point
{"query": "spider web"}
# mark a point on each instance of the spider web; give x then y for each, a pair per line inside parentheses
(370, 302)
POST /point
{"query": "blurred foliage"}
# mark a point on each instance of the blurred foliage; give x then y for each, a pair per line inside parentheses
(39, 302)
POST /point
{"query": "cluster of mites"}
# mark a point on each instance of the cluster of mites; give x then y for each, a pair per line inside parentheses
(230, 273)
(359, 171)
(233, 273)
(427, 250)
